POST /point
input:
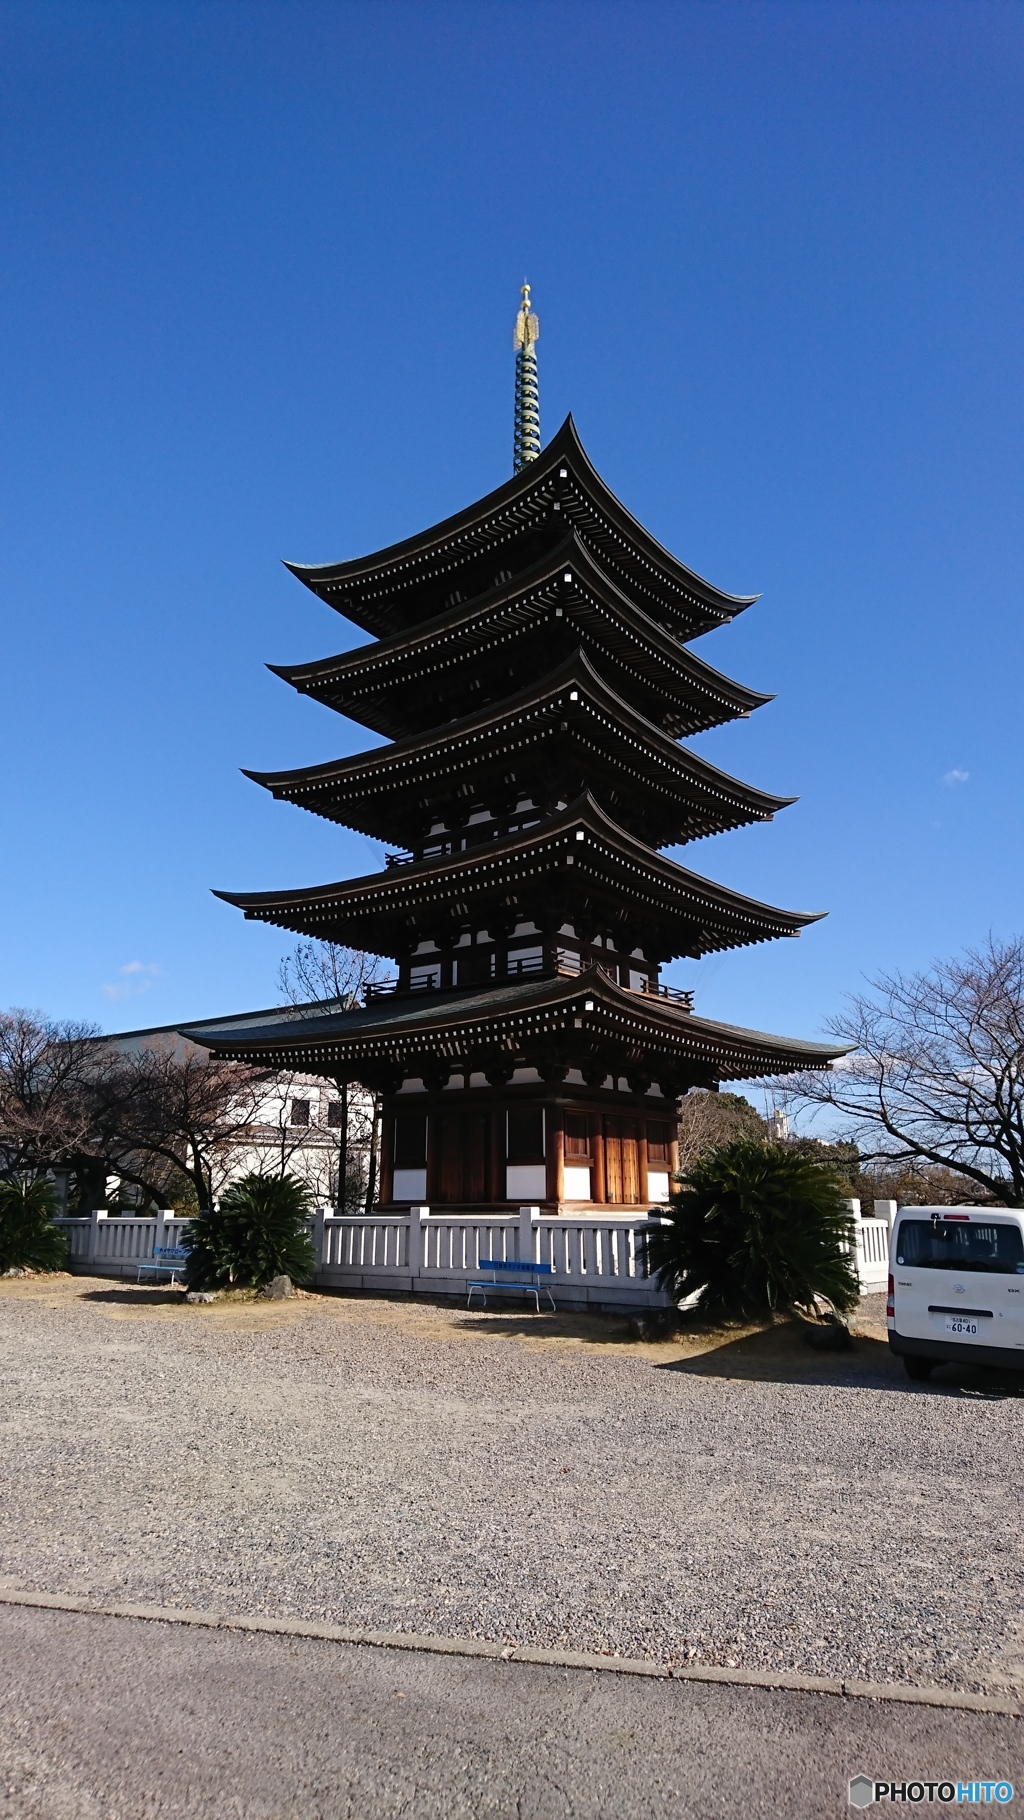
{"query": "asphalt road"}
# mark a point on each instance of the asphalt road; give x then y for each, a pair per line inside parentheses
(114, 1719)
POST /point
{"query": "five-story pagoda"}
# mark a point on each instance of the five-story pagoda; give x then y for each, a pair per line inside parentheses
(531, 667)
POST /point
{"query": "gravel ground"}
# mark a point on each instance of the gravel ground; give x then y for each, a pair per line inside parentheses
(404, 1467)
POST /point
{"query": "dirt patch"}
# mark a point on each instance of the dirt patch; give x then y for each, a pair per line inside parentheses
(242, 1311)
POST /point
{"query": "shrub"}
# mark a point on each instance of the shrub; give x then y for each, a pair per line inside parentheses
(757, 1228)
(28, 1240)
(258, 1232)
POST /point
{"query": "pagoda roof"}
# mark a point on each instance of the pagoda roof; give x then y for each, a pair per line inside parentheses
(577, 865)
(567, 730)
(446, 665)
(591, 1011)
(398, 586)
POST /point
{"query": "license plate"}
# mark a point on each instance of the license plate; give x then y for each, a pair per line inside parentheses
(963, 1325)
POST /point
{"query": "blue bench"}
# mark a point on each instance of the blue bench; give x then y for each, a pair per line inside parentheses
(168, 1260)
(504, 1286)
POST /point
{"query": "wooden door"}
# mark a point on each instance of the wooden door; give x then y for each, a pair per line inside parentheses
(621, 1161)
(612, 1161)
(630, 1163)
(462, 1176)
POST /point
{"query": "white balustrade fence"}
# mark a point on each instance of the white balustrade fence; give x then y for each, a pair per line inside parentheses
(872, 1255)
(597, 1262)
(115, 1247)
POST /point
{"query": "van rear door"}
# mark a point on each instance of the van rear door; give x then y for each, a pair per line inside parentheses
(958, 1276)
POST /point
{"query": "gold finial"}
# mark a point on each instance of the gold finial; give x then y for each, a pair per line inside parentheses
(527, 327)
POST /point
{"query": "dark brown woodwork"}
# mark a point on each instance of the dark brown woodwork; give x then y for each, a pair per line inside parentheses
(621, 1161)
(555, 1157)
(462, 1142)
(529, 663)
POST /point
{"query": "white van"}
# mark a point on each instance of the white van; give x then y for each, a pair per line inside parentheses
(956, 1287)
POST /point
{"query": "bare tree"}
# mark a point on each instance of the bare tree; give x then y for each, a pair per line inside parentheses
(47, 1077)
(328, 974)
(173, 1108)
(325, 973)
(707, 1119)
(280, 1137)
(918, 1184)
(937, 1073)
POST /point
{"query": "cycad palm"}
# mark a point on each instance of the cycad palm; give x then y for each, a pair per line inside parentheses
(258, 1232)
(28, 1239)
(756, 1229)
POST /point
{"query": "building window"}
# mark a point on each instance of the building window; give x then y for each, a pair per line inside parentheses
(335, 1115)
(526, 1135)
(577, 1134)
(658, 1139)
(299, 1114)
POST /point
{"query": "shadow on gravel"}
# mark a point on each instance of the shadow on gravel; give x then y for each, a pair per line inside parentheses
(778, 1356)
(518, 1324)
(155, 1296)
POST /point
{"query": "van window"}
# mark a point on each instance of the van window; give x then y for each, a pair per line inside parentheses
(955, 1245)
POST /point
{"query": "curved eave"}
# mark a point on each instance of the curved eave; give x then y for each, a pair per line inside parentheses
(309, 786)
(454, 1023)
(725, 919)
(565, 447)
(316, 678)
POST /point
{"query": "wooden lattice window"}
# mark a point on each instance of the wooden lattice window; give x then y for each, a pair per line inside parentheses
(659, 1137)
(577, 1135)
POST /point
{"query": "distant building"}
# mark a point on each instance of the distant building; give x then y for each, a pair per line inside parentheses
(299, 1124)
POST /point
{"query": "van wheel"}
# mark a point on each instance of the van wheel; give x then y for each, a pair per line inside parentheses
(918, 1369)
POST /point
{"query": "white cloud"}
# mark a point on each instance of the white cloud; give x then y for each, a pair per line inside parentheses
(136, 977)
(956, 776)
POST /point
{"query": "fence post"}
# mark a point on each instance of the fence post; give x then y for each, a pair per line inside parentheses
(319, 1240)
(97, 1214)
(160, 1233)
(414, 1246)
(529, 1217)
(886, 1210)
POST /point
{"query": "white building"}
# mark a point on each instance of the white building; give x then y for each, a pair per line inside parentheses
(297, 1123)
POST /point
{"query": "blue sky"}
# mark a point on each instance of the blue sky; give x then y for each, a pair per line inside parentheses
(258, 273)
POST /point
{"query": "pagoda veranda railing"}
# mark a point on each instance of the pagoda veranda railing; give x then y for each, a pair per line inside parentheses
(535, 968)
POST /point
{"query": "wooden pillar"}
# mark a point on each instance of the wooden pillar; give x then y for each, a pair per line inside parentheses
(641, 1157)
(386, 1164)
(497, 1162)
(555, 1153)
(433, 1156)
(598, 1186)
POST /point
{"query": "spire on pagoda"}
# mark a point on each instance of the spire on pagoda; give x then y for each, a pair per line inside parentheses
(526, 439)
